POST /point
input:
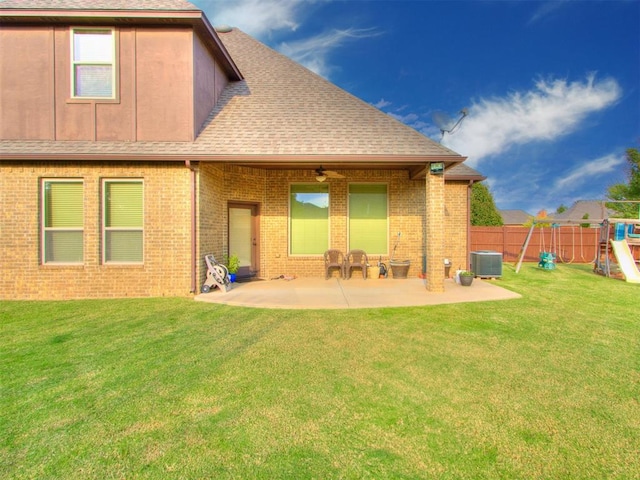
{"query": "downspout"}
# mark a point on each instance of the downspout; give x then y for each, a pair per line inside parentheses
(471, 182)
(193, 226)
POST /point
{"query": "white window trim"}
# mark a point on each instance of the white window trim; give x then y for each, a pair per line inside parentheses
(113, 63)
(44, 229)
(105, 229)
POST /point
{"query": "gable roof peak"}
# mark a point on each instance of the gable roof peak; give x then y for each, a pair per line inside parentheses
(294, 111)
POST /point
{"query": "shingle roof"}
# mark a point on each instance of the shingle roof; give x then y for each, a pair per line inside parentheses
(594, 209)
(515, 217)
(290, 110)
(98, 5)
(460, 171)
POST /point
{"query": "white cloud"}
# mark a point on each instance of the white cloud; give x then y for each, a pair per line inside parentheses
(381, 103)
(313, 52)
(586, 171)
(258, 18)
(263, 19)
(546, 9)
(547, 112)
(408, 119)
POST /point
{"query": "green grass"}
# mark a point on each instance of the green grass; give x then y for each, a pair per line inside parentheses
(547, 386)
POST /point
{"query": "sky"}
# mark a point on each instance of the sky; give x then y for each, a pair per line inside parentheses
(550, 89)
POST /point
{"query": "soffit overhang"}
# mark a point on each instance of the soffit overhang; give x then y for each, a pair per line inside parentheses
(416, 166)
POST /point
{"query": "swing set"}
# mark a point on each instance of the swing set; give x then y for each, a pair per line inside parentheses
(625, 232)
(549, 257)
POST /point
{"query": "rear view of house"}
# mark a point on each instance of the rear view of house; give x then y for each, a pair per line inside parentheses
(135, 141)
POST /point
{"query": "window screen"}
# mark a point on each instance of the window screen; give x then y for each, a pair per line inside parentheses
(368, 224)
(93, 64)
(63, 220)
(123, 221)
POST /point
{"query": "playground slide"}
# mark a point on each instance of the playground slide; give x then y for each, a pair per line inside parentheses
(625, 260)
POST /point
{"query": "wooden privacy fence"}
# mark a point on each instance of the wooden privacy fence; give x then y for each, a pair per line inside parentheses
(569, 243)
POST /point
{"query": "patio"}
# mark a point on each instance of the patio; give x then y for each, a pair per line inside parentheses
(335, 293)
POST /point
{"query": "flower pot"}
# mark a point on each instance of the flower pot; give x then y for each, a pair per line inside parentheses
(466, 280)
(232, 277)
(400, 268)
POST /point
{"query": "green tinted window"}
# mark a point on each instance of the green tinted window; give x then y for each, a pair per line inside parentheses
(63, 220)
(309, 219)
(368, 224)
(123, 222)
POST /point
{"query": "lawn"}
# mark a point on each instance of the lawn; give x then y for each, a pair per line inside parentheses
(545, 387)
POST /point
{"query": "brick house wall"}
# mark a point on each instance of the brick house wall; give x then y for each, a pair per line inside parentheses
(456, 224)
(167, 235)
(270, 189)
(166, 270)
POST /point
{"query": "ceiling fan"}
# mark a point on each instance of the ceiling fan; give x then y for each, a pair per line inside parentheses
(322, 174)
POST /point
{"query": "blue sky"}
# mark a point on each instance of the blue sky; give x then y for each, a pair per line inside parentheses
(552, 88)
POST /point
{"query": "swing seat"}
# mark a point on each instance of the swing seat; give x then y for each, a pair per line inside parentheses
(547, 260)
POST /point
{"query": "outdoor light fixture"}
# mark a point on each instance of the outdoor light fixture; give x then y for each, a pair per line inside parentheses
(436, 168)
(321, 178)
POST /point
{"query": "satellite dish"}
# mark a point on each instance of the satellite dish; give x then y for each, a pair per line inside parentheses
(446, 124)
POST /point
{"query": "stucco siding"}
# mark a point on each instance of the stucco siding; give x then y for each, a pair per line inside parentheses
(26, 83)
(164, 89)
(209, 80)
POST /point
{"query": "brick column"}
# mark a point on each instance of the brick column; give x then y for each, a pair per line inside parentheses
(434, 212)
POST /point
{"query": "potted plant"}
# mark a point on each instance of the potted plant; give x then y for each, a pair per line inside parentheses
(233, 264)
(466, 277)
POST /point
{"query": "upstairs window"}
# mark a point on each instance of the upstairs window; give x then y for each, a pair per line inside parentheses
(62, 221)
(93, 63)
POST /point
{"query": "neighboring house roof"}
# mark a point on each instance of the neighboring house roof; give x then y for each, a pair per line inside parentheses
(595, 210)
(515, 217)
(281, 114)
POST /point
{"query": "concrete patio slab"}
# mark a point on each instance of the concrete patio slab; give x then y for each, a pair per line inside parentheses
(335, 293)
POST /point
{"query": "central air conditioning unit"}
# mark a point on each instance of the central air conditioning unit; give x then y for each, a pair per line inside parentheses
(486, 264)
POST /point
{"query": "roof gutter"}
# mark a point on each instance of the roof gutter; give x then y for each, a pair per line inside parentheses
(256, 160)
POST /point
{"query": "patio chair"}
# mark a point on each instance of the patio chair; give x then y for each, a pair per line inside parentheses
(333, 259)
(356, 259)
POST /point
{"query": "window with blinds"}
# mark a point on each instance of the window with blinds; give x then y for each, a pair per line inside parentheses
(123, 221)
(93, 63)
(368, 218)
(62, 221)
(309, 219)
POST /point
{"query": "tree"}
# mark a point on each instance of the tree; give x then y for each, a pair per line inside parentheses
(483, 208)
(540, 216)
(627, 191)
(561, 208)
